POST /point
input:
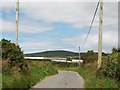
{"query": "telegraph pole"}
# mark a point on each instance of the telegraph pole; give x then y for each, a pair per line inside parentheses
(100, 34)
(79, 55)
(17, 21)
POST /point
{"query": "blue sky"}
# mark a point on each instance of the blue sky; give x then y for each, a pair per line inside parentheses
(59, 26)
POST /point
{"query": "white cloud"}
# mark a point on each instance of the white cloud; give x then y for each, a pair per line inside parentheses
(8, 26)
(75, 14)
(0, 28)
(60, 1)
(0, 25)
(38, 46)
(78, 15)
(110, 40)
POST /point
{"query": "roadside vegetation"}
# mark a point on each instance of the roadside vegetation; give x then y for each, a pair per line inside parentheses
(20, 73)
(37, 71)
(108, 76)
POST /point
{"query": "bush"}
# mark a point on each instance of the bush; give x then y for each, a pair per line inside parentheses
(38, 71)
(12, 56)
(118, 69)
(113, 66)
(110, 65)
(89, 57)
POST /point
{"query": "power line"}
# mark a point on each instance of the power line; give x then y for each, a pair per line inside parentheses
(91, 24)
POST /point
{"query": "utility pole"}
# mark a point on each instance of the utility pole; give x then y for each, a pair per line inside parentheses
(17, 20)
(100, 34)
(79, 55)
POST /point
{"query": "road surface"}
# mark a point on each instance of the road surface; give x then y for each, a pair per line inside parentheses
(64, 79)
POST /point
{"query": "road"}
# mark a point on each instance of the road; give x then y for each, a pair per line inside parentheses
(64, 79)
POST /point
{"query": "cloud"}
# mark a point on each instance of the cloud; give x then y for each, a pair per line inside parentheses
(110, 40)
(76, 14)
(8, 26)
(0, 25)
(38, 46)
(71, 13)
(60, 1)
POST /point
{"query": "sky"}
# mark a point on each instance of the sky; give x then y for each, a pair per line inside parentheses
(59, 25)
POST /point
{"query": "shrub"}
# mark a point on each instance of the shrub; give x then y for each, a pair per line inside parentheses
(38, 71)
(89, 57)
(12, 56)
(113, 67)
(118, 69)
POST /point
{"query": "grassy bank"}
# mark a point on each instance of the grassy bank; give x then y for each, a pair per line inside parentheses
(91, 81)
(0, 72)
(37, 71)
(0, 80)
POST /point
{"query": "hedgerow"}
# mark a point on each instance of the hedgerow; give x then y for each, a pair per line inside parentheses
(12, 57)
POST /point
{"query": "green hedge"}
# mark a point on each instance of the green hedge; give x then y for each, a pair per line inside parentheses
(12, 56)
(113, 67)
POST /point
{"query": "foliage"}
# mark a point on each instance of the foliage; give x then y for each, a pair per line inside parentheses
(111, 65)
(118, 69)
(69, 59)
(91, 81)
(113, 68)
(12, 56)
(89, 57)
(0, 51)
(38, 71)
(114, 50)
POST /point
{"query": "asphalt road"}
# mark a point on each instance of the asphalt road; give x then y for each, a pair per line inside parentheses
(64, 79)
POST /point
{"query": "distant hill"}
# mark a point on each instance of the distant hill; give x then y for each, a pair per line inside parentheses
(56, 53)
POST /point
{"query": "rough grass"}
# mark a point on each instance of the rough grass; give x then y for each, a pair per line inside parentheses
(0, 80)
(38, 71)
(91, 81)
(0, 73)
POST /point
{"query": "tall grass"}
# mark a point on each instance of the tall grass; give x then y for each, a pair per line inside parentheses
(0, 73)
(37, 71)
(91, 81)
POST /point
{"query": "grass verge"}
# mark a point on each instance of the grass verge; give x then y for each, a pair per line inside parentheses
(37, 71)
(91, 81)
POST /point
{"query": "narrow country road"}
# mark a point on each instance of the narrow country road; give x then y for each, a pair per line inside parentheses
(64, 79)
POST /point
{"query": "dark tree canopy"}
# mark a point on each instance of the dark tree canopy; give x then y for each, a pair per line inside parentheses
(89, 57)
(12, 54)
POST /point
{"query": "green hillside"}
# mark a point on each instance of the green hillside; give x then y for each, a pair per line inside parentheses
(57, 53)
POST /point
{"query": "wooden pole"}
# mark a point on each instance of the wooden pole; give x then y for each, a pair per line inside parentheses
(100, 34)
(17, 20)
(79, 55)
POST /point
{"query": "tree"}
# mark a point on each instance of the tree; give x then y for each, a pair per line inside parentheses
(114, 50)
(69, 59)
(12, 56)
(89, 57)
